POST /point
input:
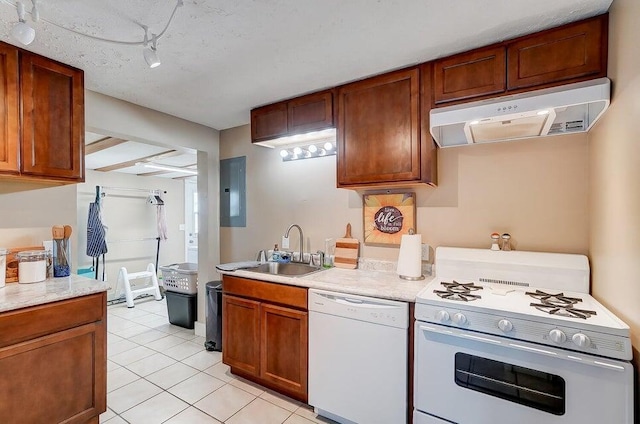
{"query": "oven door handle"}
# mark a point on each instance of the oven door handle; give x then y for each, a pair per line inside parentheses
(619, 366)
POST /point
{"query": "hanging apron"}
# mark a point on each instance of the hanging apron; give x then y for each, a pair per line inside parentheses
(96, 238)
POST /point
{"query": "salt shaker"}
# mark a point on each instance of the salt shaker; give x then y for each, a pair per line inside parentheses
(495, 238)
(506, 242)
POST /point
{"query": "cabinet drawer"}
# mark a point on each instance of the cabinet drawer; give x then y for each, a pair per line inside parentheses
(472, 74)
(29, 323)
(264, 291)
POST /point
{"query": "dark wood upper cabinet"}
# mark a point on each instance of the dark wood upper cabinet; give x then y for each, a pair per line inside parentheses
(52, 119)
(476, 73)
(41, 117)
(9, 109)
(379, 131)
(428, 148)
(269, 122)
(570, 53)
(313, 112)
(560, 55)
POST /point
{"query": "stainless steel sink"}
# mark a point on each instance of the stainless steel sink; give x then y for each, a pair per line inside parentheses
(291, 269)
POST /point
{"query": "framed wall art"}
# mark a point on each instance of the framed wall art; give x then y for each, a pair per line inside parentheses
(388, 216)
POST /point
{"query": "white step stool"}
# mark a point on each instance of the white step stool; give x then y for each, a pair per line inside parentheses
(129, 293)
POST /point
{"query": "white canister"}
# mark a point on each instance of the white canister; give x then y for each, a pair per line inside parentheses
(32, 266)
(3, 266)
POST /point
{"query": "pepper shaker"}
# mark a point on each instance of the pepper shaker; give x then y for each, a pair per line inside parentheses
(506, 242)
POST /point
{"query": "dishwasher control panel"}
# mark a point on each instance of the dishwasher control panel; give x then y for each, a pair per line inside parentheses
(379, 311)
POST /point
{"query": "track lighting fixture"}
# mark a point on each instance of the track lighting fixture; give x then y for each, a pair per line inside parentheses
(25, 34)
(21, 31)
(150, 52)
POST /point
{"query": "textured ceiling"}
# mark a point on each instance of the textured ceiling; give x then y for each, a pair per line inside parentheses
(221, 58)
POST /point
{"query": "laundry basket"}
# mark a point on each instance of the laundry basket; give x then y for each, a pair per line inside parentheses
(181, 278)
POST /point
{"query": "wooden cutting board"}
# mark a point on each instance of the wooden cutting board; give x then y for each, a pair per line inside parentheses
(346, 254)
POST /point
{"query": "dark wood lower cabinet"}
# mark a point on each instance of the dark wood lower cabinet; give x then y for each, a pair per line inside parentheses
(265, 334)
(283, 354)
(58, 374)
(241, 334)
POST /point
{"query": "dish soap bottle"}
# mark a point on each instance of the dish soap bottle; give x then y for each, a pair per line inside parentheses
(275, 256)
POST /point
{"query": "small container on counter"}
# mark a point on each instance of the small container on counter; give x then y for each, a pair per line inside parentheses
(61, 258)
(3, 266)
(32, 266)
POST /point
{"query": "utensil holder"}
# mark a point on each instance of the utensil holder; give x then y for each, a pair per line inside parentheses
(61, 258)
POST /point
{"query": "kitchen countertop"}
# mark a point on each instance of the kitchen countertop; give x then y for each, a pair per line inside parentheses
(384, 284)
(17, 296)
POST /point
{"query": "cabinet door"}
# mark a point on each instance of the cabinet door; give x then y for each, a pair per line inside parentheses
(52, 119)
(428, 150)
(56, 378)
(241, 334)
(378, 130)
(283, 358)
(477, 73)
(572, 52)
(313, 112)
(269, 122)
(9, 130)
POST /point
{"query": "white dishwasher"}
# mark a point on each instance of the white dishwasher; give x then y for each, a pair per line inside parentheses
(358, 358)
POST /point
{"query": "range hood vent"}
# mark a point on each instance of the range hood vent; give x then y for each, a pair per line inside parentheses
(566, 109)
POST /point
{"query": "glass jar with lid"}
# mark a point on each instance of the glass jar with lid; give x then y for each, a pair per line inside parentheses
(32, 266)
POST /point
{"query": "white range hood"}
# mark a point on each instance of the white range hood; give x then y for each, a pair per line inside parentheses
(565, 109)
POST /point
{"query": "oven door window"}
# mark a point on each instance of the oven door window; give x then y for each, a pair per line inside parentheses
(536, 389)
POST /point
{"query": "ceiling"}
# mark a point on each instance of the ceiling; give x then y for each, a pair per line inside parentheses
(109, 154)
(220, 58)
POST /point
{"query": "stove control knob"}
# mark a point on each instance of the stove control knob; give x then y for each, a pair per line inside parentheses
(557, 336)
(581, 340)
(459, 318)
(442, 316)
(505, 325)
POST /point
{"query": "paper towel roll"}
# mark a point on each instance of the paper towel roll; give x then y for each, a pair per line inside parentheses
(410, 257)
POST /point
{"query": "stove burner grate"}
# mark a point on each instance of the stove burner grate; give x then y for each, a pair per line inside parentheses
(565, 311)
(459, 291)
(555, 299)
(559, 304)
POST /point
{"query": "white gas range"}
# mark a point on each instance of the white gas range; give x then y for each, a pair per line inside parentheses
(515, 337)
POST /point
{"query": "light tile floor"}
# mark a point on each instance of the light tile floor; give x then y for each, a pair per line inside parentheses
(160, 373)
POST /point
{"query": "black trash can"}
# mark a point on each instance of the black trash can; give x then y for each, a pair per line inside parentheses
(182, 308)
(214, 316)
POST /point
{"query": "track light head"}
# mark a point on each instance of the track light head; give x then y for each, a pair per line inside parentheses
(150, 53)
(21, 31)
(151, 56)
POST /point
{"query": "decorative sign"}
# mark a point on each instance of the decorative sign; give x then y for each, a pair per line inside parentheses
(388, 216)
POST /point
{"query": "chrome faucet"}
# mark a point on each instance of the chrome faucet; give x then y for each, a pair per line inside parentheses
(301, 257)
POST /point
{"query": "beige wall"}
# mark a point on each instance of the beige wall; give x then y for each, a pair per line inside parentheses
(537, 190)
(615, 175)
